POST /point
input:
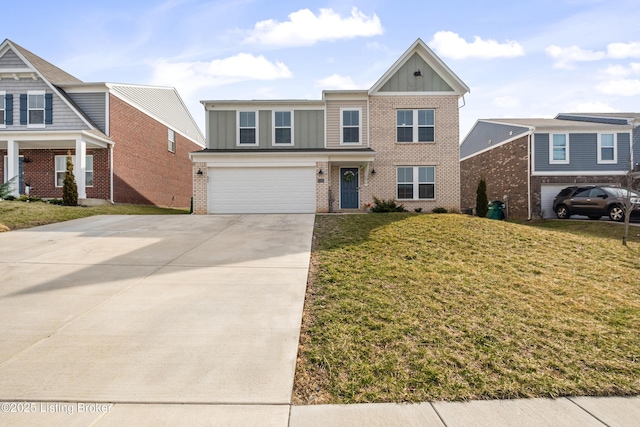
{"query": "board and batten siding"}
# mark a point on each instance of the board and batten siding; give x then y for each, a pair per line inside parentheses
(64, 118)
(404, 79)
(583, 154)
(333, 122)
(636, 145)
(308, 128)
(11, 60)
(93, 105)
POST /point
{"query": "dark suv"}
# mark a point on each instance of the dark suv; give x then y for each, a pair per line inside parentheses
(595, 202)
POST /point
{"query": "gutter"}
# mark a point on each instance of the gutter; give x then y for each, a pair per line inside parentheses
(111, 174)
(529, 172)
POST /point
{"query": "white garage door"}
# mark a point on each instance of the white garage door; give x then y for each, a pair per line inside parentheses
(547, 193)
(261, 190)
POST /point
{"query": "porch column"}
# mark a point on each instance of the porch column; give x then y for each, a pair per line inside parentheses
(13, 166)
(80, 168)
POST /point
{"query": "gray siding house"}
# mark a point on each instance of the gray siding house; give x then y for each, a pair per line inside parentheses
(528, 161)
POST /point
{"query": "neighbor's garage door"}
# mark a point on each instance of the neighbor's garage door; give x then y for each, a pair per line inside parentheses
(547, 193)
(261, 190)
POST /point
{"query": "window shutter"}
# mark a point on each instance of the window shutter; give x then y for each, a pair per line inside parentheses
(48, 108)
(9, 109)
(23, 108)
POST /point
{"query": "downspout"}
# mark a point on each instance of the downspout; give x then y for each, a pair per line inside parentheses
(111, 174)
(463, 102)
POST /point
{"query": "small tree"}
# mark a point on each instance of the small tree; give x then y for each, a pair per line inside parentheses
(69, 187)
(482, 201)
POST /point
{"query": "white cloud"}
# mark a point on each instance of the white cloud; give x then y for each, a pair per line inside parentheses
(623, 50)
(336, 81)
(622, 87)
(451, 45)
(591, 107)
(188, 77)
(304, 28)
(506, 102)
(616, 71)
(566, 56)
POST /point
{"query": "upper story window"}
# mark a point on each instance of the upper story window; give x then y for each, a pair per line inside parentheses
(350, 126)
(172, 140)
(35, 108)
(416, 182)
(61, 170)
(415, 125)
(247, 128)
(607, 148)
(559, 148)
(283, 128)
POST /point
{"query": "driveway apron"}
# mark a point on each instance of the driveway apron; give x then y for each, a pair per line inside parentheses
(154, 309)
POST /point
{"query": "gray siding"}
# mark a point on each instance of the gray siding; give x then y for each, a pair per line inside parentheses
(266, 128)
(64, 118)
(636, 145)
(93, 105)
(583, 154)
(309, 129)
(11, 60)
(222, 129)
(603, 120)
(483, 132)
(404, 80)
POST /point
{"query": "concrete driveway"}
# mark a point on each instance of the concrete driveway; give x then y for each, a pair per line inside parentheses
(154, 310)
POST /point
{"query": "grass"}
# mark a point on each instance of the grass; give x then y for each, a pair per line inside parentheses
(408, 308)
(15, 215)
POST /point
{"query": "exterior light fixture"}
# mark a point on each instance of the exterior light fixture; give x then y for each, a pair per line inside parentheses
(199, 172)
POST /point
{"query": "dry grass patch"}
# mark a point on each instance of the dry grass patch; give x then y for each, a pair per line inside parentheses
(407, 308)
(16, 215)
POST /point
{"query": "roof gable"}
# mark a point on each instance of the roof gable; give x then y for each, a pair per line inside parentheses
(434, 76)
(486, 135)
(162, 103)
(406, 80)
(47, 70)
(9, 60)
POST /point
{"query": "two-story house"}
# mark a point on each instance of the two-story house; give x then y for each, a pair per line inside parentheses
(397, 140)
(530, 160)
(129, 143)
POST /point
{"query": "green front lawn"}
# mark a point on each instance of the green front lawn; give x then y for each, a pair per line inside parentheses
(15, 215)
(407, 308)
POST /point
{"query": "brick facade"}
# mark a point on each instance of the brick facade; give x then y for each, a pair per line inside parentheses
(505, 170)
(145, 171)
(323, 183)
(39, 172)
(443, 153)
(199, 188)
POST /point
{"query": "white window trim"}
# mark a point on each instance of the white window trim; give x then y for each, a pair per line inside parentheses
(416, 126)
(567, 157)
(615, 149)
(3, 108)
(257, 127)
(171, 143)
(273, 131)
(37, 125)
(359, 110)
(416, 182)
(73, 160)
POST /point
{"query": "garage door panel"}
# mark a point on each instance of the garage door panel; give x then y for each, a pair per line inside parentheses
(262, 190)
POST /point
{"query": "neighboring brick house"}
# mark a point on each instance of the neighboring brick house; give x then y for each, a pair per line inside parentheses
(129, 143)
(398, 140)
(531, 160)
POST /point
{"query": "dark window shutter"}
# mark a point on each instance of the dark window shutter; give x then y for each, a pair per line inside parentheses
(23, 108)
(8, 118)
(48, 108)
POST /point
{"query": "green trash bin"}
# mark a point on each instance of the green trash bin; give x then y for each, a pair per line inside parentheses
(496, 210)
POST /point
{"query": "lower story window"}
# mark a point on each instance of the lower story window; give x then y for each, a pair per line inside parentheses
(61, 169)
(416, 182)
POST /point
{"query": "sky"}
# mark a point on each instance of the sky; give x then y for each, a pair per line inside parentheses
(520, 59)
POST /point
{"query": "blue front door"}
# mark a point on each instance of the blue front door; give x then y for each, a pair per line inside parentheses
(349, 188)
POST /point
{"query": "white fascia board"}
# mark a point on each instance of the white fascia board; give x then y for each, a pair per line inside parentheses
(345, 95)
(275, 156)
(266, 104)
(85, 87)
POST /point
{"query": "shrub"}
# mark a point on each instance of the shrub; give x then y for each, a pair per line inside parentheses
(418, 210)
(440, 210)
(380, 206)
(69, 187)
(55, 201)
(6, 188)
(482, 201)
